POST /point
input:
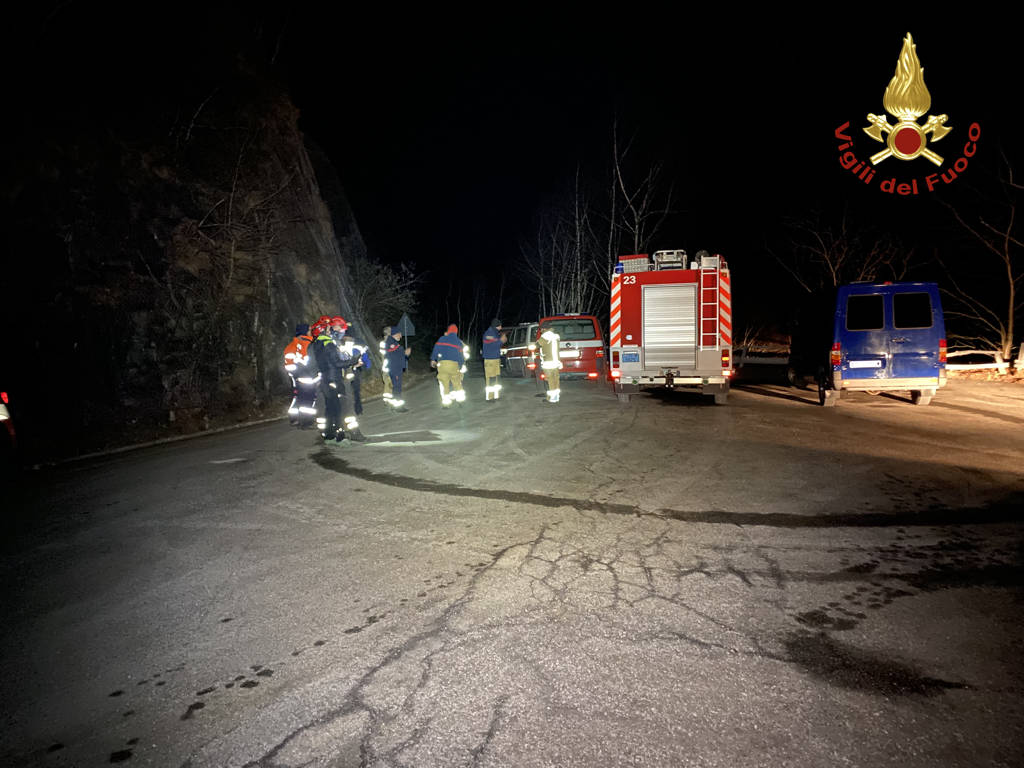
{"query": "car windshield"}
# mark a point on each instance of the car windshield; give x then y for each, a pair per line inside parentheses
(575, 329)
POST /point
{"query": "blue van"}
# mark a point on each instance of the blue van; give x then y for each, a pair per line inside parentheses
(886, 336)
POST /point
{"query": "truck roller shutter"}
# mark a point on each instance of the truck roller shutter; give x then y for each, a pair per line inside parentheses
(670, 326)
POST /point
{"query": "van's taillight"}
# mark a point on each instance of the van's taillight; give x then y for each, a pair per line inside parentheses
(591, 375)
(616, 373)
(3, 395)
(599, 353)
(531, 366)
(942, 354)
(836, 358)
(542, 376)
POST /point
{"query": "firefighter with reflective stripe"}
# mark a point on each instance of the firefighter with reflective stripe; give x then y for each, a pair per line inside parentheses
(382, 346)
(492, 352)
(547, 347)
(449, 356)
(340, 421)
(395, 362)
(316, 371)
(305, 380)
(353, 349)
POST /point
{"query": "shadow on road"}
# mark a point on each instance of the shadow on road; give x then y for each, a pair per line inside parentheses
(808, 399)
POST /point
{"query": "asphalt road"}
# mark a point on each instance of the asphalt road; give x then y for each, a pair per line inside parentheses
(662, 583)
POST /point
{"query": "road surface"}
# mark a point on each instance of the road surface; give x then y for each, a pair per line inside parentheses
(661, 583)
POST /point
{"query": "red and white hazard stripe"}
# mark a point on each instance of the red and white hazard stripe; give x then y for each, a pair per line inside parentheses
(615, 320)
(725, 308)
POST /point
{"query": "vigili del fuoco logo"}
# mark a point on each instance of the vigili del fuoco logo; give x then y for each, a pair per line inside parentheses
(906, 99)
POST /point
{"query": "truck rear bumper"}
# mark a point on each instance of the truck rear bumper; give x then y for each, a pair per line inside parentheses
(706, 384)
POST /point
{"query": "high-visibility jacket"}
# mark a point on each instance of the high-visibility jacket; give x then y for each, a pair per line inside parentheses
(296, 354)
(547, 346)
(382, 346)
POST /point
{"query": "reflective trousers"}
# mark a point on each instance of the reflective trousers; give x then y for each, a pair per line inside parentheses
(449, 380)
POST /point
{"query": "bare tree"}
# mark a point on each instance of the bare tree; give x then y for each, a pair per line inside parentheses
(382, 293)
(990, 316)
(559, 262)
(820, 254)
(638, 201)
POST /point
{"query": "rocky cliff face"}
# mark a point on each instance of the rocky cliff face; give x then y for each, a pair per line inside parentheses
(161, 246)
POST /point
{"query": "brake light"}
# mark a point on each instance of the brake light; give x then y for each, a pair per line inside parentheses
(531, 366)
(542, 376)
(616, 373)
(3, 395)
(942, 356)
(591, 375)
(725, 358)
(599, 353)
(836, 357)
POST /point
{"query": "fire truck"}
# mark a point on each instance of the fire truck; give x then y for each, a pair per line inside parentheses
(670, 324)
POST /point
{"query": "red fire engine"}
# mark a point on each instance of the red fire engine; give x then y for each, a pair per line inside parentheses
(671, 324)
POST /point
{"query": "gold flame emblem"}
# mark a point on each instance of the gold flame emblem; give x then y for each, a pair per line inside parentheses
(906, 99)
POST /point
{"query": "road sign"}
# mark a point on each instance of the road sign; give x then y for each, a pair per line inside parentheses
(406, 327)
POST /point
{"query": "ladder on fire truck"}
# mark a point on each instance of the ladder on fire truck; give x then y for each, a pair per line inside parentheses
(709, 302)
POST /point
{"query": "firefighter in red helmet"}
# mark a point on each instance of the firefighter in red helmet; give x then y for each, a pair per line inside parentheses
(339, 421)
(449, 356)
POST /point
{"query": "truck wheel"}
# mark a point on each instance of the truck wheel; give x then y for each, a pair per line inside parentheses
(921, 396)
(795, 379)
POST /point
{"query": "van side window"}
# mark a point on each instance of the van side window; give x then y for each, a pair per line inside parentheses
(911, 310)
(864, 313)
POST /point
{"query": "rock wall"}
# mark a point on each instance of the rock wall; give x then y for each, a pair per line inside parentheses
(160, 248)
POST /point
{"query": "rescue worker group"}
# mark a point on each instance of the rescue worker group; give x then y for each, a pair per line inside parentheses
(326, 364)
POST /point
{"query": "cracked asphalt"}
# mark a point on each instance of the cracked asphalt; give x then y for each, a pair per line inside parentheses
(660, 583)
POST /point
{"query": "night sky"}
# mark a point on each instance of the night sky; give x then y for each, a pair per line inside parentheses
(450, 133)
(451, 130)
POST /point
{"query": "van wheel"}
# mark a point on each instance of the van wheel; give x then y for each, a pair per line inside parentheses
(827, 397)
(921, 396)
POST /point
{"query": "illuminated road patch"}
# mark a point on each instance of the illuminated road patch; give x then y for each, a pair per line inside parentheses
(422, 437)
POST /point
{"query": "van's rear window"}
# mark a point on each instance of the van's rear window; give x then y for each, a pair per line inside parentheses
(574, 330)
(911, 310)
(864, 313)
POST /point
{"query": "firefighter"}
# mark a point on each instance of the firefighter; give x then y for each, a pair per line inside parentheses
(340, 421)
(382, 345)
(305, 378)
(395, 362)
(449, 357)
(547, 346)
(492, 352)
(318, 367)
(359, 353)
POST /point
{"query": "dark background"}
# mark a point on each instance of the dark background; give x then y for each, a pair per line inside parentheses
(452, 132)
